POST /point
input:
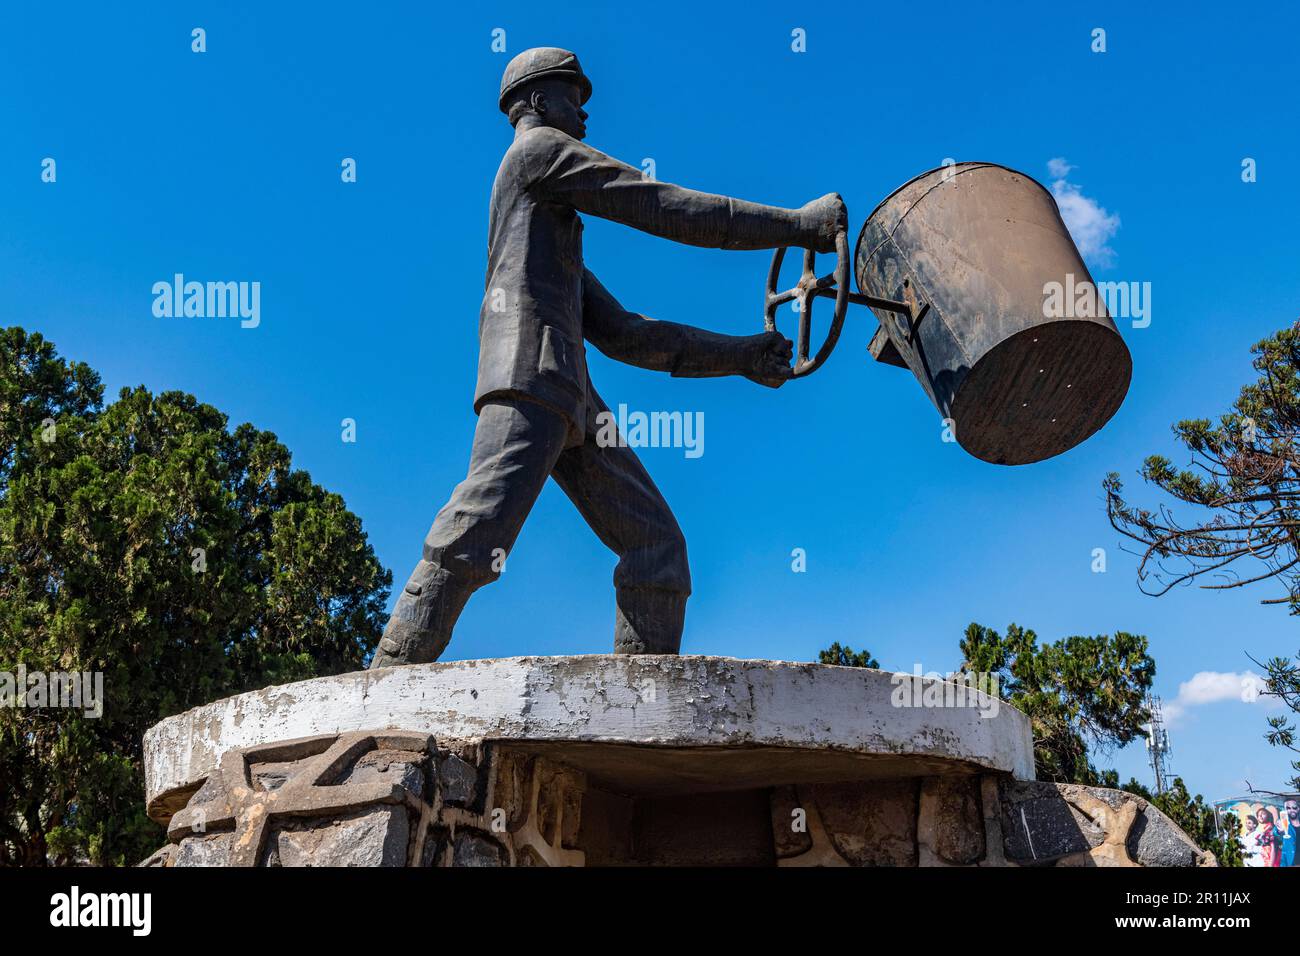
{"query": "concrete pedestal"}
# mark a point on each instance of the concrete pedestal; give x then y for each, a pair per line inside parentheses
(618, 760)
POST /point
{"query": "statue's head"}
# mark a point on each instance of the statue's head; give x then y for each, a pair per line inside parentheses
(546, 84)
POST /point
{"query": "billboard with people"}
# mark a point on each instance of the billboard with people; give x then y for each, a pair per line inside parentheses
(1269, 827)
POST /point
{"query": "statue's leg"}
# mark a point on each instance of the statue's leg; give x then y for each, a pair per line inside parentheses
(515, 448)
(617, 497)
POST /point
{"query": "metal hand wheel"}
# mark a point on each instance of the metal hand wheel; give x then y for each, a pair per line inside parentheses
(834, 285)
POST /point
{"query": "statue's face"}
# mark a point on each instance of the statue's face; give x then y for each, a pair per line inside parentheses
(561, 107)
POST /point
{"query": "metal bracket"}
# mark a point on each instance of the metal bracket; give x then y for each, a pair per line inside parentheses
(883, 349)
(916, 310)
(910, 311)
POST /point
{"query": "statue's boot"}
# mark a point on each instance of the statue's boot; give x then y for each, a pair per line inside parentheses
(422, 619)
(649, 621)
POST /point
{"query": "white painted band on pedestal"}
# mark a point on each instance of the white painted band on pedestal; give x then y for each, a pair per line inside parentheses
(659, 701)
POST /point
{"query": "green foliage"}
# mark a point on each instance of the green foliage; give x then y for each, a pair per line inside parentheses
(1079, 692)
(37, 387)
(183, 560)
(846, 657)
(1282, 680)
(1242, 485)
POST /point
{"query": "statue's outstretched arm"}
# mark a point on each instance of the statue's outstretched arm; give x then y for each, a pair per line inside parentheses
(561, 169)
(683, 350)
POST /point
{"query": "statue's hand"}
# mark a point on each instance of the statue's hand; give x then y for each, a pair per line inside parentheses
(766, 359)
(825, 218)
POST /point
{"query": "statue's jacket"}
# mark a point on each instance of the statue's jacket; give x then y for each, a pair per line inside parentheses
(540, 302)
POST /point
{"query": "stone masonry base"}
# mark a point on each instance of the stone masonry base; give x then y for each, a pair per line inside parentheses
(396, 798)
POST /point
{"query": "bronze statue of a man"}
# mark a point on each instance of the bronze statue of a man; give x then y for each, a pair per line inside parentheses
(536, 405)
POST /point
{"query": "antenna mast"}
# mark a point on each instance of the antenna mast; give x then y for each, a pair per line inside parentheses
(1158, 744)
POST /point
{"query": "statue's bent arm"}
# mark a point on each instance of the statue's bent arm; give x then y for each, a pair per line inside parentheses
(561, 169)
(630, 337)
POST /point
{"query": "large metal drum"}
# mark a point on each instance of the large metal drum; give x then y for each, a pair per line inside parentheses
(972, 248)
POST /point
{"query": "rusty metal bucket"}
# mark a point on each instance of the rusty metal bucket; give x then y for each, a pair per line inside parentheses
(971, 249)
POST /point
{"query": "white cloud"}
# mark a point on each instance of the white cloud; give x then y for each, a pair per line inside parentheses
(1212, 687)
(1091, 226)
(1059, 168)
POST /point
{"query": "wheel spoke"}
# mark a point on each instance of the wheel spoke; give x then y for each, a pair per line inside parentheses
(834, 285)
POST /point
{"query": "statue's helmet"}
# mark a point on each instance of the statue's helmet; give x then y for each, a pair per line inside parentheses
(539, 63)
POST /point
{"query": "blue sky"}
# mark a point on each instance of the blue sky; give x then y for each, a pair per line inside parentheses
(225, 166)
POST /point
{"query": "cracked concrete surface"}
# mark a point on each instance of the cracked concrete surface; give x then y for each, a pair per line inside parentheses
(664, 723)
